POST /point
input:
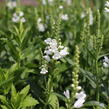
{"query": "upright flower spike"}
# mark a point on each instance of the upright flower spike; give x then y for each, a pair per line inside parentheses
(75, 86)
(76, 69)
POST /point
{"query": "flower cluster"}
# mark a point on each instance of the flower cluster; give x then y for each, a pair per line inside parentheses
(64, 17)
(11, 4)
(18, 17)
(50, 2)
(54, 50)
(40, 25)
(75, 87)
(81, 96)
(106, 62)
(106, 9)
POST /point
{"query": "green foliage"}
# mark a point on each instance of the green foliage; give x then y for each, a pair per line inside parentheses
(18, 100)
(71, 23)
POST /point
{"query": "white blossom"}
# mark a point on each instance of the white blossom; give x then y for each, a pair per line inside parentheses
(83, 14)
(23, 19)
(48, 40)
(46, 57)
(107, 4)
(64, 17)
(79, 103)
(18, 17)
(80, 99)
(60, 7)
(81, 95)
(44, 2)
(21, 14)
(79, 88)
(56, 56)
(106, 9)
(106, 62)
(54, 50)
(11, 4)
(40, 25)
(50, 1)
(69, 2)
(90, 17)
(67, 94)
(44, 71)
(64, 52)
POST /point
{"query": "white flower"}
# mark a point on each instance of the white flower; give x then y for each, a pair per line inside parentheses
(67, 94)
(44, 2)
(81, 95)
(90, 17)
(23, 19)
(106, 62)
(79, 88)
(83, 14)
(107, 4)
(11, 4)
(56, 56)
(69, 2)
(18, 17)
(48, 52)
(64, 17)
(64, 52)
(60, 7)
(48, 40)
(44, 71)
(15, 19)
(79, 103)
(46, 57)
(41, 27)
(106, 9)
(50, 2)
(39, 20)
(21, 14)
(80, 99)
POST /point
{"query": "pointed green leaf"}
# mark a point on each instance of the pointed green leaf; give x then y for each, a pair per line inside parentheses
(29, 101)
(25, 90)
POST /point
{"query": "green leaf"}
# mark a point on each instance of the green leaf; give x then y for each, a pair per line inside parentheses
(13, 93)
(3, 107)
(29, 101)
(60, 96)
(25, 90)
(95, 103)
(53, 101)
(13, 67)
(3, 99)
